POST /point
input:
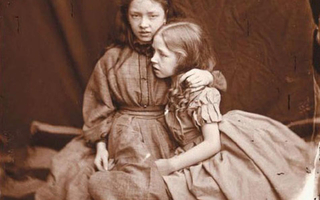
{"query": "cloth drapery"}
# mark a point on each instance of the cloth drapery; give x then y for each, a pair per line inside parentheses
(49, 49)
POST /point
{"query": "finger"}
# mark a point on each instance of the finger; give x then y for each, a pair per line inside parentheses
(111, 164)
(98, 165)
(186, 75)
(193, 77)
(194, 89)
(191, 80)
(105, 162)
(196, 83)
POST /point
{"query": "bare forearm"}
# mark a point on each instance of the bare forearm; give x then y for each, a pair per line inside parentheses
(197, 154)
(206, 149)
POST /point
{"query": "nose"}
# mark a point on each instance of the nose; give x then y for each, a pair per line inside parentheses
(144, 22)
(153, 59)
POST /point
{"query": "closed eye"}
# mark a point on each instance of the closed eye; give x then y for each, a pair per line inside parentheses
(162, 54)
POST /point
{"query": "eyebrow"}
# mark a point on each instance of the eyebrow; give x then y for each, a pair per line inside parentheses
(149, 12)
(162, 52)
(133, 11)
(157, 49)
(153, 12)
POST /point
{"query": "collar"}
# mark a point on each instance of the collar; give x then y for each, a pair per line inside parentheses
(145, 49)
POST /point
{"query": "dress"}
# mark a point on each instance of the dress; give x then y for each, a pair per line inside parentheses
(138, 134)
(260, 158)
(125, 100)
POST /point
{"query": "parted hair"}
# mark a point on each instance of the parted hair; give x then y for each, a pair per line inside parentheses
(192, 47)
(124, 36)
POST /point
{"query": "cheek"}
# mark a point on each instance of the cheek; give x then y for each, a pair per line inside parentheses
(174, 68)
(173, 71)
(156, 24)
(169, 69)
(133, 24)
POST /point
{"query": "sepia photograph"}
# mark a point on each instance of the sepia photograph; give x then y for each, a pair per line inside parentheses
(159, 100)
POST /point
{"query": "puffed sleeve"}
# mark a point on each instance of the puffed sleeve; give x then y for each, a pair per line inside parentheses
(205, 108)
(98, 109)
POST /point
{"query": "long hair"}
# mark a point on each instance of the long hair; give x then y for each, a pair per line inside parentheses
(123, 35)
(192, 47)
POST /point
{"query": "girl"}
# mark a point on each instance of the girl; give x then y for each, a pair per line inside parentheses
(125, 101)
(238, 155)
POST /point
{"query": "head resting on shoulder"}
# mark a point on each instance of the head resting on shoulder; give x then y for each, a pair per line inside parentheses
(190, 44)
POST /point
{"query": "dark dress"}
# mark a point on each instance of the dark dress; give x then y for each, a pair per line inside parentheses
(125, 100)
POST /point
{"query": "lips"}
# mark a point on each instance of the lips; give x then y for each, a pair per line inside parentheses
(154, 68)
(144, 33)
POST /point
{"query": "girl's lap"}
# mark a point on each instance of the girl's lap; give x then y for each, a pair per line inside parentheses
(135, 140)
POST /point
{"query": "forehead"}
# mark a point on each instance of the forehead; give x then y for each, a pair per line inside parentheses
(145, 6)
(158, 43)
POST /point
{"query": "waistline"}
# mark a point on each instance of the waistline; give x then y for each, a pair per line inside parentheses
(153, 111)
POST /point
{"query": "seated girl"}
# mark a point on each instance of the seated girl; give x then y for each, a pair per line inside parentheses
(238, 155)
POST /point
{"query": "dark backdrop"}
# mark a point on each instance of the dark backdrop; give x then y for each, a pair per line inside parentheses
(49, 48)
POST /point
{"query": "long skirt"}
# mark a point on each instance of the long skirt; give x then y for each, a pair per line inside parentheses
(69, 173)
(136, 140)
(260, 159)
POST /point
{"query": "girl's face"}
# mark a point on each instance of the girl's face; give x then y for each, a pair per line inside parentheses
(164, 61)
(145, 18)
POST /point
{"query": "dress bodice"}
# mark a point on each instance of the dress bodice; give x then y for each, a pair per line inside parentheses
(121, 78)
(132, 81)
(185, 126)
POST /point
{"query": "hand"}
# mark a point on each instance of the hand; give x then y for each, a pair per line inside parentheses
(165, 166)
(197, 78)
(102, 158)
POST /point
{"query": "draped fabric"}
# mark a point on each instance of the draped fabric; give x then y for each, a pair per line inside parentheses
(49, 49)
(254, 149)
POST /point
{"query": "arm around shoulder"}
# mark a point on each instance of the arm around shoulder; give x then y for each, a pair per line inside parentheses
(219, 81)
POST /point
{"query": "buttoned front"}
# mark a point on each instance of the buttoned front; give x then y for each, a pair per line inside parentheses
(125, 101)
(122, 78)
(143, 69)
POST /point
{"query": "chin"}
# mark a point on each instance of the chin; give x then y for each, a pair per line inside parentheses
(162, 76)
(145, 40)
(159, 75)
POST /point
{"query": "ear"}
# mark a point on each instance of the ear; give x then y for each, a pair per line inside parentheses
(164, 21)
